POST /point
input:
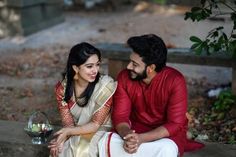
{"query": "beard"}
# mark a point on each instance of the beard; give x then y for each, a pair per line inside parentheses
(138, 76)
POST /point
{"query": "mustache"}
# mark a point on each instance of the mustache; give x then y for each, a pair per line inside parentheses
(132, 71)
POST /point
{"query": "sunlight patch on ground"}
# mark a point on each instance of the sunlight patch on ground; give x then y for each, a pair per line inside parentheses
(161, 9)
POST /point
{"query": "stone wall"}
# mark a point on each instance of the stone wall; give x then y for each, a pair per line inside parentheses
(23, 17)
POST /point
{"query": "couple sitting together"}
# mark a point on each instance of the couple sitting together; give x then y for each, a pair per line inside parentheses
(142, 114)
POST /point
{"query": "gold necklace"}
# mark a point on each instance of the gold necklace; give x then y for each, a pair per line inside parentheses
(79, 100)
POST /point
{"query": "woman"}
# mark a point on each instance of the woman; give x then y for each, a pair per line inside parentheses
(84, 100)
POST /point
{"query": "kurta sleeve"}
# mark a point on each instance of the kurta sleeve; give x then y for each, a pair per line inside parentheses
(122, 103)
(63, 107)
(100, 116)
(177, 106)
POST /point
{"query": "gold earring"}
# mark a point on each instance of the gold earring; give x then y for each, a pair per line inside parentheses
(76, 76)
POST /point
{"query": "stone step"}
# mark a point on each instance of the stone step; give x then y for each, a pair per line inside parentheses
(15, 142)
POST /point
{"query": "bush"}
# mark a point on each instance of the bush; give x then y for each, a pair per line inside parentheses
(216, 41)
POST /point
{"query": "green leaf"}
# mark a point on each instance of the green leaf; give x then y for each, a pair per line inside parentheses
(205, 13)
(225, 101)
(198, 50)
(208, 11)
(203, 2)
(216, 39)
(214, 34)
(221, 40)
(233, 16)
(195, 39)
(213, 3)
(199, 17)
(219, 28)
(211, 49)
(195, 45)
(187, 15)
(233, 35)
(225, 37)
(232, 48)
(196, 9)
(206, 47)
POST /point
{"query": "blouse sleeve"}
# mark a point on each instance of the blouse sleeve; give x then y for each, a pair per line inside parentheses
(63, 107)
(100, 116)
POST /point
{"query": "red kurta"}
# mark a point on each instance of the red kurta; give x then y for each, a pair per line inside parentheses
(161, 103)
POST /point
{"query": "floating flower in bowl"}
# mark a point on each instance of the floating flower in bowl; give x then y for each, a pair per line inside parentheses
(38, 128)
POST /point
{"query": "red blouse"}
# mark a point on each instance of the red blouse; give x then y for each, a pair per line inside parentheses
(161, 103)
(64, 108)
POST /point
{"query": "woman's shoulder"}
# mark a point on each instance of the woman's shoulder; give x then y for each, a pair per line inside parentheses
(104, 89)
(60, 86)
(105, 83)
(105, 77)
(106, 80)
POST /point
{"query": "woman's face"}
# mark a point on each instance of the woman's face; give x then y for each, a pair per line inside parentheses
(89, 70)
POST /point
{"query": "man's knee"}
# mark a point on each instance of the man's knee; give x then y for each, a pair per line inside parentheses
(169, 148)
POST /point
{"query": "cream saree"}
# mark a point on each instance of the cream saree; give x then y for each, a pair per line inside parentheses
(86, 145)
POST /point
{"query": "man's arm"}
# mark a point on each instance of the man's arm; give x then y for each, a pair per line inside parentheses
(121, 106)
(155, 134)
(121, 111)
(177, 107)
(132, 141)
(123, 129)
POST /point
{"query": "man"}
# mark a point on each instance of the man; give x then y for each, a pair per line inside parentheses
(150, 105)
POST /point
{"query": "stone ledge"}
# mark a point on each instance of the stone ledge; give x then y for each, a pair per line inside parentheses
(214, 150)
(15, 142)
(27, 3)
(10, 149)
(118, 57)
(24, 17)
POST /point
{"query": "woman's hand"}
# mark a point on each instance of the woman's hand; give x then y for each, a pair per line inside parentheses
(56, 145)
(54, 148)
(63, 134)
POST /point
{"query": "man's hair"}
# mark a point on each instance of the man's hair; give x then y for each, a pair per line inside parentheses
(151, 48)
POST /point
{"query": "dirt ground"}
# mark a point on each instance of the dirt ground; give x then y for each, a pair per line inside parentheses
(30, 66)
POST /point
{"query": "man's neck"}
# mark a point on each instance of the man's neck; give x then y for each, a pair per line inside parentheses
(149, 77)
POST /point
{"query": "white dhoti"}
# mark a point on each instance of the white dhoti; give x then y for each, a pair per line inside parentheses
(111, 145)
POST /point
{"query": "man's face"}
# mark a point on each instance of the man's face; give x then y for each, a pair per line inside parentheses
(136, 67)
